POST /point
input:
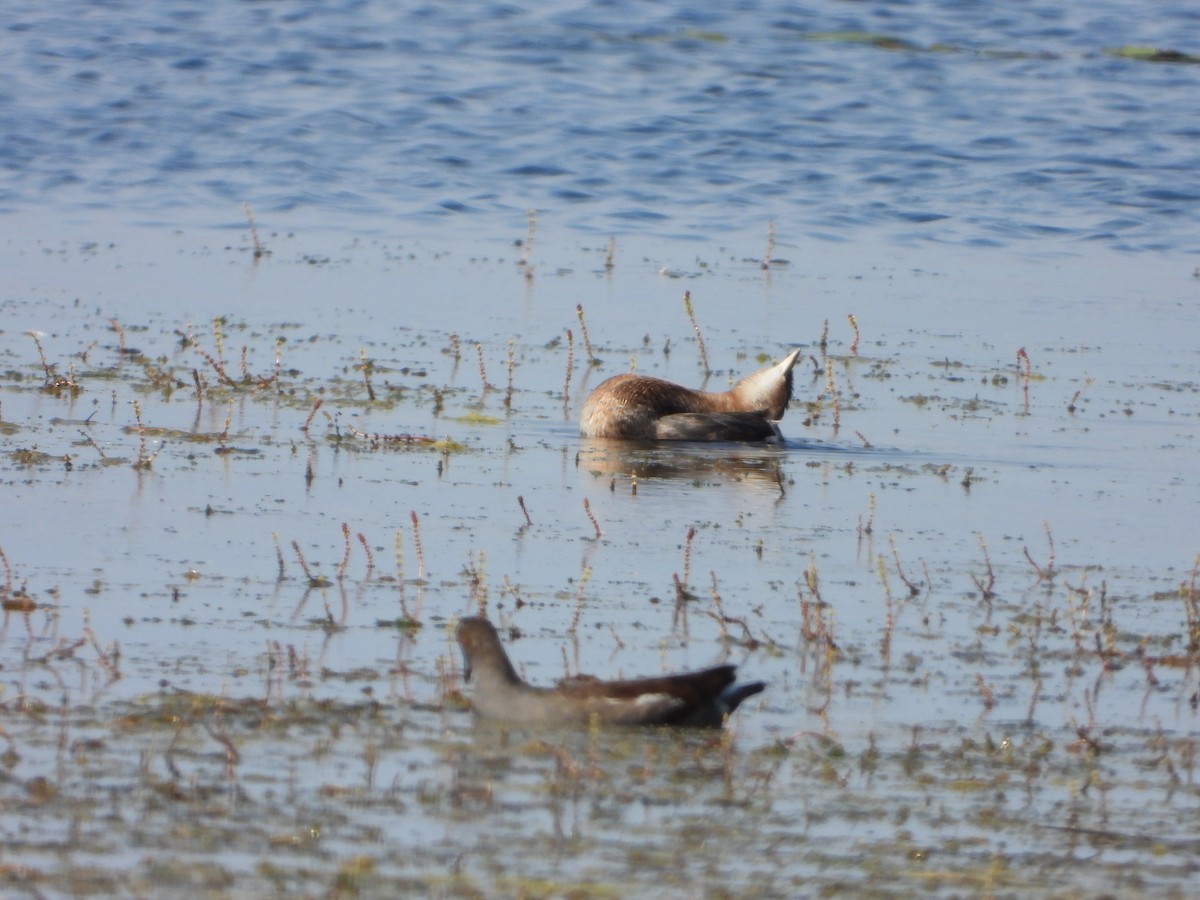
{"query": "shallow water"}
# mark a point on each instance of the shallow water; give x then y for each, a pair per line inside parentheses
(991, 735)
(967, 575)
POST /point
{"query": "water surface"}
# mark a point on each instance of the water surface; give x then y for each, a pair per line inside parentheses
(968, 574)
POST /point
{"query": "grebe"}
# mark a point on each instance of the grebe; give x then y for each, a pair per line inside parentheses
(639, 407)
(700, 699)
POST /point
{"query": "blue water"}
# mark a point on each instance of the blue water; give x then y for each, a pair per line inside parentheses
(973, 185)
(982, 124)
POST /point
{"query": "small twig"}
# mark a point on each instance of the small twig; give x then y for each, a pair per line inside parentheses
(311, 415)
(831, 390)
(345, 552)
(989, 699)
(92, 442)
(587, 341)
(584, 577)
(1023, 358)
(687, 305)
(570, 369)
(523, 262)
(259, 250)
(521, 503)
(1037, 689)
(8, 575)
(811, 581)
(313, 580)
(110, 659)
(116, 326)
(869, 526)
(854, 325)
(143, 460)
(214, 362)
(417, 543)
(366, 549)
(367, 366)
(1071, 407)
(765, 265)
(1048, 571)
(224, 435)
(913, 589)
(508, 394)
(587, 508)
(278, 554)
(482, 370)
(687, 554)
(232, 757)
(890, 617)
(986, 588)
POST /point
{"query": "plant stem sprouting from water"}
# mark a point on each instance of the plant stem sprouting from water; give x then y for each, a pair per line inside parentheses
(143, 460)
(482, 370)
(259, 250)
(523, 262)
(7, 592)
(890, 620)
(587, 508)
(985, 692)
(278, 555)
(687, 305)
(224, 435)
(1024, 363)
(570, 370)
(913, 589)
(508, 394)
(311, 415)
(587, 341)
(987, 584)
(116, 326)
(1046, 572)
(687, 555)
(345, 551)
(417, 544)
(865, 529)
(315, 581)
(831, 390)
(584, 577)
(367, 366)
(1189, 593)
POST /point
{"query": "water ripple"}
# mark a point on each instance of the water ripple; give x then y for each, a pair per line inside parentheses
(966, 125)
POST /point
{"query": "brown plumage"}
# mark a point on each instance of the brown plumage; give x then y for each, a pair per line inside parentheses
(639, 407)
(700, 699)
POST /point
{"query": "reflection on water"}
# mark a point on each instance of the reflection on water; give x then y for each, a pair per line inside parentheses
(735, 464)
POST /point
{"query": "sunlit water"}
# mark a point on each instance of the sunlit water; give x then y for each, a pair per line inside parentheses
(967, 123)
(979, 190)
